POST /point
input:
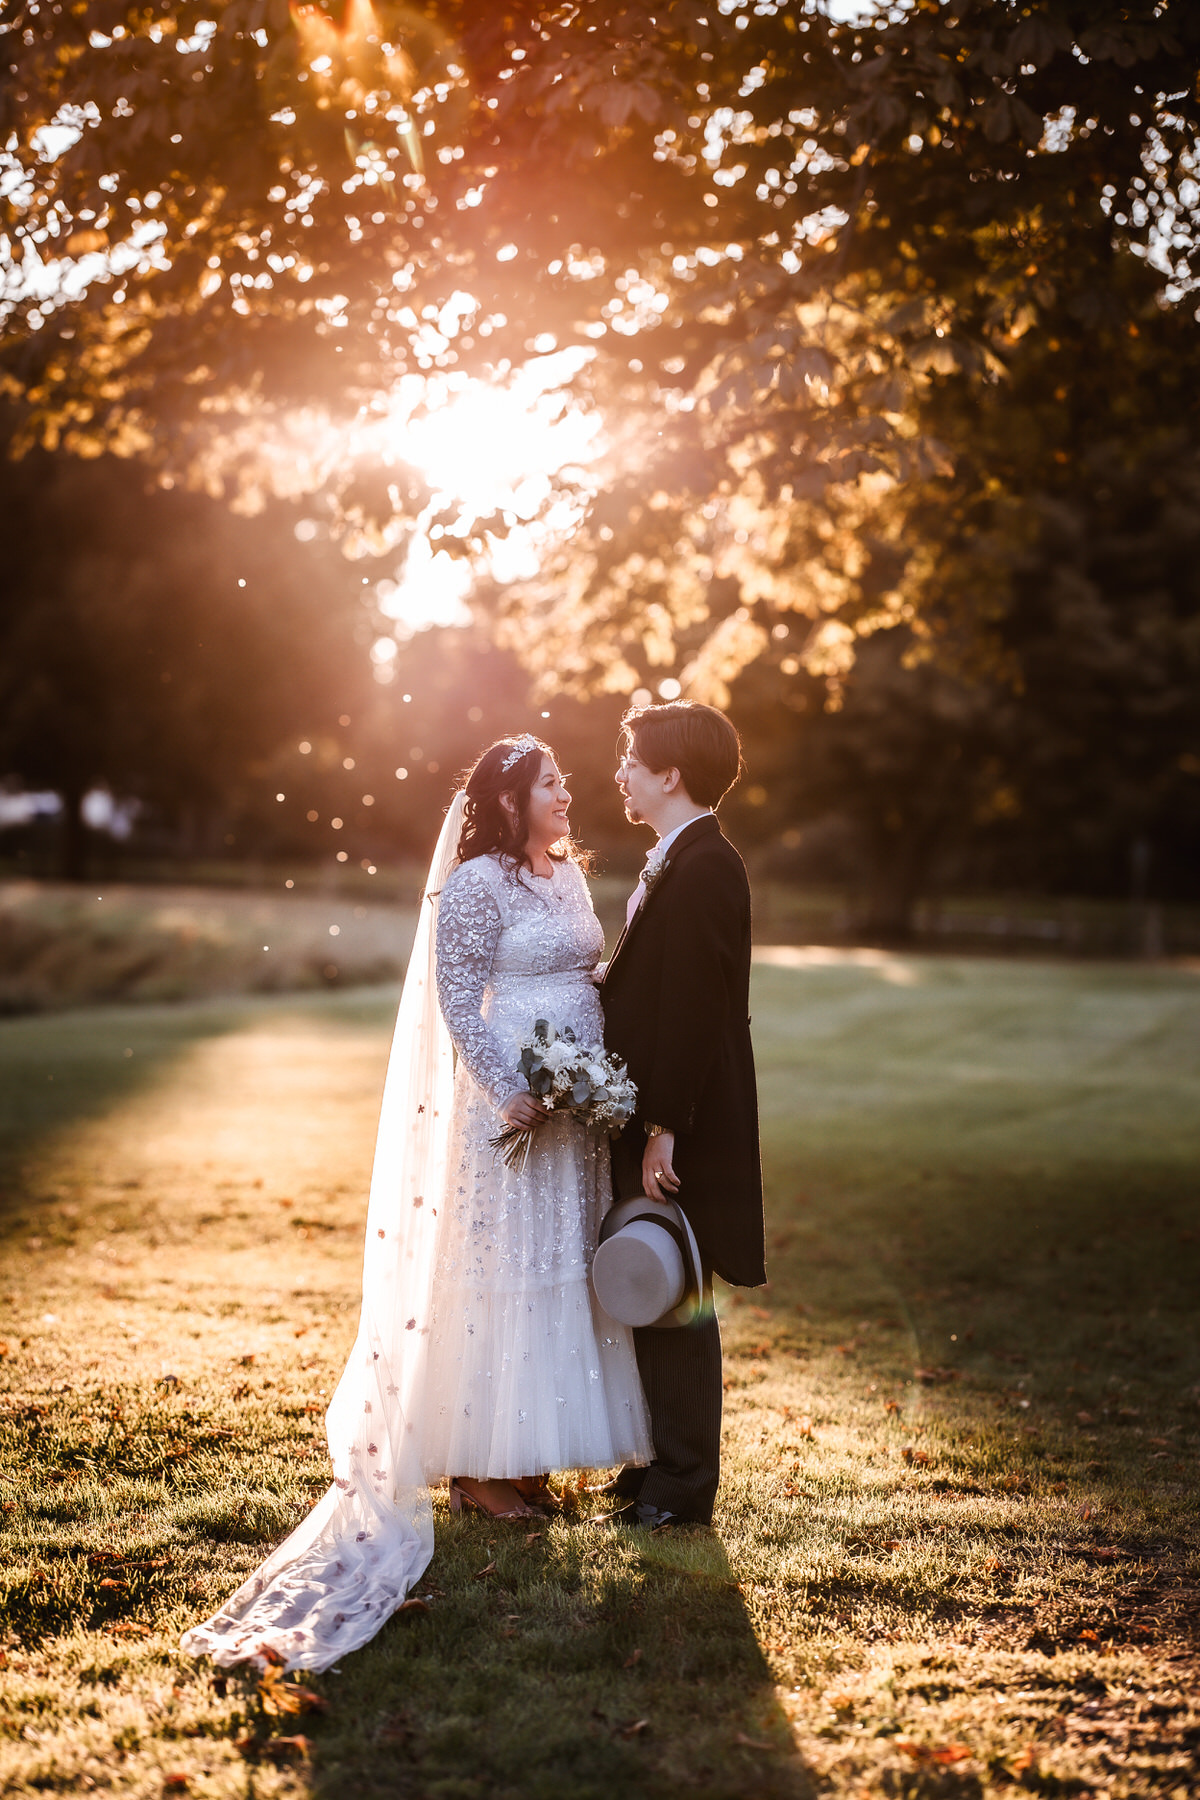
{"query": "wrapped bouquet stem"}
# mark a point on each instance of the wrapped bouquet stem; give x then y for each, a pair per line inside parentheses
(567, 1076)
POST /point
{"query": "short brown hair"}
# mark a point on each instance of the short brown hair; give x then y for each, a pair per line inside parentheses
(697, 740)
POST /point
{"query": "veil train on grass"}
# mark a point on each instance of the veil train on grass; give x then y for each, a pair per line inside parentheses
(345, 1569)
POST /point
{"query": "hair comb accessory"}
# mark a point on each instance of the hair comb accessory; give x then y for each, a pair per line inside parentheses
(521, 748)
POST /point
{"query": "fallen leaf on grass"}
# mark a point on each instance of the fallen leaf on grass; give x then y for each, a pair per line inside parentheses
(282, 1696)
(287, 1749)
(1093, 1637)
(108, 1582)
(413, 1606)
(632, 1731)
(891, 1406)
(917, 1458)
(934, 1377)
(748, 1743)
(933, 1753)
(632, 1660)
(174, 1784)
(804, 1427)
(1024, 1760)
(481, 1574)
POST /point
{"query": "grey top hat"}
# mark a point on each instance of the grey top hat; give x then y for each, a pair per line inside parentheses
(647, 1269)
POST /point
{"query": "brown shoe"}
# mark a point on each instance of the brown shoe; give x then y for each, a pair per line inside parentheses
(536, 1492)
(495, 1499)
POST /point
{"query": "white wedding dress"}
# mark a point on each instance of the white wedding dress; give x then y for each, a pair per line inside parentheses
(480, 1350)
(525, 1373)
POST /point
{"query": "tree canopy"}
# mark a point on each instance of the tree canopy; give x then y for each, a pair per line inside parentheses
(794, 256)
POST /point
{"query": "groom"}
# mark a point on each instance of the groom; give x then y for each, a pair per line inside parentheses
(676, 998)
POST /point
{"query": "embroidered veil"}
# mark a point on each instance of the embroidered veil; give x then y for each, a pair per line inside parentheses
(345, 1569)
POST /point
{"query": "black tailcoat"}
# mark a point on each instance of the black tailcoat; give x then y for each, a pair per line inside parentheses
(676, 1006)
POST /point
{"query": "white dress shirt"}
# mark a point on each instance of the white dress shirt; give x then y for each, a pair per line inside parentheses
(663, 845)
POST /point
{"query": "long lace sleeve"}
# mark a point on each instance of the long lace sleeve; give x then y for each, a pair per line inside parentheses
(468, 929)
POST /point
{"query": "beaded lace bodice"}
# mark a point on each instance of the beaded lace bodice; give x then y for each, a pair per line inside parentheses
(512, 947)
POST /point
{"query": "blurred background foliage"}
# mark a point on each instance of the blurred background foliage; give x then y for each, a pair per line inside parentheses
(890, 324)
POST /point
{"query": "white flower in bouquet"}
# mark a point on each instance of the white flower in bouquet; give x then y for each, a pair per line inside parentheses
(566, 1076)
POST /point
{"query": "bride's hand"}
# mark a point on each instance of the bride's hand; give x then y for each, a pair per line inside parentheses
(524, 1111)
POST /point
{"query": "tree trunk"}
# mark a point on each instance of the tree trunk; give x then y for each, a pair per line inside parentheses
(74, 841)
(899, 878)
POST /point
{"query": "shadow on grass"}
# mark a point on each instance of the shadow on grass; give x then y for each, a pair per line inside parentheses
(570, 1660)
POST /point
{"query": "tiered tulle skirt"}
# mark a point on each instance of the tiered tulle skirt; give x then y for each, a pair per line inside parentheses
(525, 1372)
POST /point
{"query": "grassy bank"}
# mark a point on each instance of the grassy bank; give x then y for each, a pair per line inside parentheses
(66, 944)
(956, 1549)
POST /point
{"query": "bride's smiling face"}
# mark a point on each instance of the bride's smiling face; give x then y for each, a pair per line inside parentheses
(549, 804)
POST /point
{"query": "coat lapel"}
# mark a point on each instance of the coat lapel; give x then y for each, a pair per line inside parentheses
(698, 827)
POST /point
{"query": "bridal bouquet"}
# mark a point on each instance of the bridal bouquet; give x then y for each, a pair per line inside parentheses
(567, 1076)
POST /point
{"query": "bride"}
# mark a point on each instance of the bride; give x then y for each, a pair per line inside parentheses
(481, 1356)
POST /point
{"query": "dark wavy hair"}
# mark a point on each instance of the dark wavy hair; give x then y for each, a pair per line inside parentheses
(487, 826)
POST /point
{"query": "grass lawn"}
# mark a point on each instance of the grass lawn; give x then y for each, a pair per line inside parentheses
(956, 1550)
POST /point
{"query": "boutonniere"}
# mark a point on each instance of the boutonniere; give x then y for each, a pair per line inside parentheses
(652, 871)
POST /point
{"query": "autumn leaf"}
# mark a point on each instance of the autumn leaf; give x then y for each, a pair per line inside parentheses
(933, 1753)
(282, 1696)
(634, 1730)
(1024, 1760)
(481, 1574)
(917, 1458)
(175, 1784)
(891, 1406)
(632, 1660)
(287, 1749)
(413, 1606)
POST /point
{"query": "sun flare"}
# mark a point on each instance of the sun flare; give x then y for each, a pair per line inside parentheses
(485, 450)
